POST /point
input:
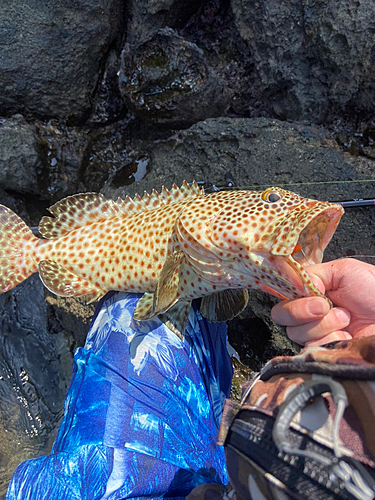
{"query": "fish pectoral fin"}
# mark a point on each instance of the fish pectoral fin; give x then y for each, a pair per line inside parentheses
(145, 307)
(176, 318)
(65, 283)
(166, 292)
(224, 305)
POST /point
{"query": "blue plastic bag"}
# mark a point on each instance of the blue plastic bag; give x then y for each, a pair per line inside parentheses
(141, 414)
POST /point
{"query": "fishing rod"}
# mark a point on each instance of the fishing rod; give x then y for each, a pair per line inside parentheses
(230, 184)
(356, 203)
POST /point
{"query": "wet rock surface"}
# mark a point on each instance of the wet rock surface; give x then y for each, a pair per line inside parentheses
(35, 367)
(122, 97)
(62, 151)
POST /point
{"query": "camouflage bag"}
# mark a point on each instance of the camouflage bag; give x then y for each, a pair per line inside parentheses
(304, 428)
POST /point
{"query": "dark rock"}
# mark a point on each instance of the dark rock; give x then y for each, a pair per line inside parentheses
(258, 152)
(108, 105)
(19, 162)
(112, 157)
(70, 316)
(51, 54)
(144, 17)
(313, 61)
(167, 81)
(212, 27)
(35, 370)
(17, 205)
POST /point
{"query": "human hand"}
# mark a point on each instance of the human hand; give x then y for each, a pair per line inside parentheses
(350, 285)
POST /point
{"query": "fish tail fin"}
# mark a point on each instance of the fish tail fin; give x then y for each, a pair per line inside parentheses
(16, 248)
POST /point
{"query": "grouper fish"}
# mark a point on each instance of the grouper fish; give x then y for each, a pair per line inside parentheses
(173, 247)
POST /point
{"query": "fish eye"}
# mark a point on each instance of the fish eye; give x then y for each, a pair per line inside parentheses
(271, 196)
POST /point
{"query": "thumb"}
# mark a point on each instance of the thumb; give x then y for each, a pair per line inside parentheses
(327, 276)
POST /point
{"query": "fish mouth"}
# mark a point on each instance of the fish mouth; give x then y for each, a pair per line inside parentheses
(316, 232)
(317, 229)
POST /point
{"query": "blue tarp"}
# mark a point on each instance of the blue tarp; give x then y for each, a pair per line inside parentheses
(141, 415)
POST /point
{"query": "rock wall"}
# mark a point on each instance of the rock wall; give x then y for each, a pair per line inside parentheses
(121, 96)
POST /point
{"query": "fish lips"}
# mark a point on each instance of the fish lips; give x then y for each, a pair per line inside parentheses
(312, 231)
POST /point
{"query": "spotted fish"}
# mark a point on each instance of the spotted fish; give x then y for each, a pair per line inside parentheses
(173, 247)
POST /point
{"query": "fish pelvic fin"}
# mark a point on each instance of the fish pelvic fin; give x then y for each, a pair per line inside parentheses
(16, 249)
(224, 305)
(176, 318)
(166, 294)
(63, 282)
(145, 307)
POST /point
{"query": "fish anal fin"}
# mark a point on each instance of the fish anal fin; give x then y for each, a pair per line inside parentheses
(224, 305)
(176, 318)
(145, 307)
(166, 294)
(74, 212)
(63, 282)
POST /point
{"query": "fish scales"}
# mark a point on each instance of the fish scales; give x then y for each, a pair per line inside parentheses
(173, 247)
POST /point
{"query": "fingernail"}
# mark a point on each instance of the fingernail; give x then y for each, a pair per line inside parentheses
(342, 315)
(317, 307)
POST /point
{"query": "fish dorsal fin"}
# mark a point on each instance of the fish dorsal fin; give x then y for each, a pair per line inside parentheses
(76, 211)
(154, 200)
(224, 305)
